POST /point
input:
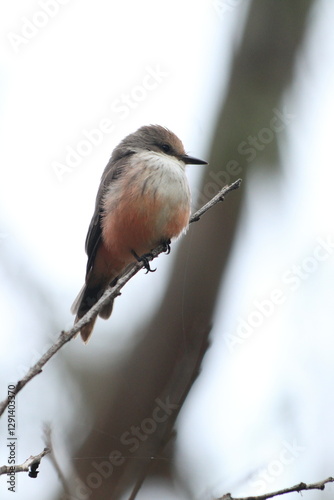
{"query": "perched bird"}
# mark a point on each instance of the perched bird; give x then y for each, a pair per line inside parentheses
(143, 201)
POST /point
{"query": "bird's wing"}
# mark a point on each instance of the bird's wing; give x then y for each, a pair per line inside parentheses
(93, 239)
(112, 172)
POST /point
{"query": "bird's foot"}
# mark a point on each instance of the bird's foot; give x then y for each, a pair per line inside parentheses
(166, 245)
(145, 260)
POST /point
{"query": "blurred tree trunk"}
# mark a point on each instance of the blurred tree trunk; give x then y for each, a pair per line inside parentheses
(164, 362)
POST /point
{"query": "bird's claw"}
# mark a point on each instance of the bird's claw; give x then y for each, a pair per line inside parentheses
(145, 260)
(166, 245)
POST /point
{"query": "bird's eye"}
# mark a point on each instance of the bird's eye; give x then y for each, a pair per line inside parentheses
(166, 148)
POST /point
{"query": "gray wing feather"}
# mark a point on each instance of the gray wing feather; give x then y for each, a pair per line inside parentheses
(112, 172)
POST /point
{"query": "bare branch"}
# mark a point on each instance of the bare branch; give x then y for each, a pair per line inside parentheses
(296, 488)
(108, 294)
(216, 199)
(30, 465)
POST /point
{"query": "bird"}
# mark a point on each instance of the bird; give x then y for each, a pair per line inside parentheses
(143, 200)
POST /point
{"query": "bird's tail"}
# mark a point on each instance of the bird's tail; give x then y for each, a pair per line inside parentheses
(88, 296)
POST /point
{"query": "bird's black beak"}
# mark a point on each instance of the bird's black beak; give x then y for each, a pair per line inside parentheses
(190, 160)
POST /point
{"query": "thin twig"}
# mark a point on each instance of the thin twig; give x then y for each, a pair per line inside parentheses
(216, 199)
(30, 465)
(296, 488)
(65, 337)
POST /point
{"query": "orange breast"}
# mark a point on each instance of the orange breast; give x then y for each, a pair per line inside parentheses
(148, 205)
(140, 225)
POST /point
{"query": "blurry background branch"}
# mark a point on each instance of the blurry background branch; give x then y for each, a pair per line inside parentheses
(164, 433)
(47, 431)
